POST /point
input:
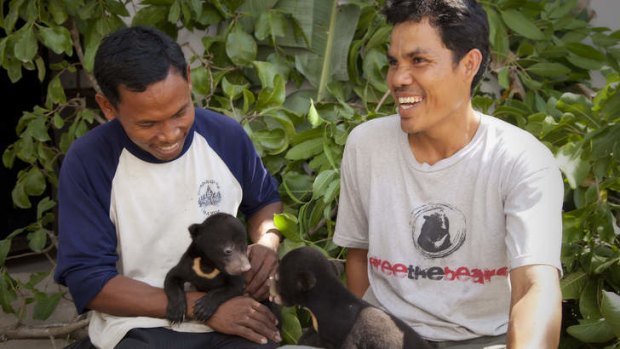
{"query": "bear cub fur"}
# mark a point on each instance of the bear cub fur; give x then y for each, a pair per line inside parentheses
(340, 319)
(213, 262)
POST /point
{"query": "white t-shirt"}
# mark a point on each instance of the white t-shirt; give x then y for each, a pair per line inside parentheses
(442, 239)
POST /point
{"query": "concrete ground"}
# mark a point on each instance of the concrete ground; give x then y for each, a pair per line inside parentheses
(64, 313)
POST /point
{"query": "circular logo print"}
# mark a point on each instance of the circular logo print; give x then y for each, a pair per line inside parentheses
(438, 230)
(209, 195)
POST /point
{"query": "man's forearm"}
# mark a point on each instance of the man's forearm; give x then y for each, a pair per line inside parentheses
(123, 296)
(536, 314)
(357, 271)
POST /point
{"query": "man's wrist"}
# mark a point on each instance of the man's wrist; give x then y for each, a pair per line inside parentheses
(271, 238)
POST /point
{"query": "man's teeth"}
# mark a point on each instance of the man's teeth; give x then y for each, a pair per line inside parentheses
(168, 148)
(409, 100)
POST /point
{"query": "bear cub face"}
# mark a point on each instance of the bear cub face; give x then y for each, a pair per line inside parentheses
(222, 239)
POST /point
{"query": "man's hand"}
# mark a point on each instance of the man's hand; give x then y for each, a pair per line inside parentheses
(264, 261)
(245, 317)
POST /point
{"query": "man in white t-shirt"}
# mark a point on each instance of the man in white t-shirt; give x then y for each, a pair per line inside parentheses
(452, 218)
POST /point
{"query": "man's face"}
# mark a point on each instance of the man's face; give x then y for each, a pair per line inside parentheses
(158, 119)
(428, 88)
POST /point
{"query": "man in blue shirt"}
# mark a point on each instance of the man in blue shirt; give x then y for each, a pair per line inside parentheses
(129, 189)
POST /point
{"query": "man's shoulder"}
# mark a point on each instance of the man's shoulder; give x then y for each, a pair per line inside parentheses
(101, 140)
(383, 128)
(517, 144)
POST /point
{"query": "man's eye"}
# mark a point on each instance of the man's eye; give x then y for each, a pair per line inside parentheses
(417, 60)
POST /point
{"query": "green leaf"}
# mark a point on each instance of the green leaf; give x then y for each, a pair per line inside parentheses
(287, 225)
(610, 307)
(5, 247)
(333, 28)
(55, 92)
(58, 39)
(273, 141)
(573, 167)
(497, 34)
(44, 205)
(240, 47)
(266, 73)
(231, 90)
(56, 9)
(26, 46)
(58, 121)
(322, 181)
(272, 97)
(550, 70)
(37, 240)
(305, 150)
(313, 115)
(298, 186)
(291, 328)
(34, 182)
(18, 194)
(40, 63)
(588, 301)
(522, 25)
(8, 157)
(37, 128)
(592, 331)
(175, 12)
(45, 304)
(572, 284)
(201, 80)
(7, 293)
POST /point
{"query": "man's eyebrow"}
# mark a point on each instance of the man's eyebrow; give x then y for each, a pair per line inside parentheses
(416, 52)
(182, 109)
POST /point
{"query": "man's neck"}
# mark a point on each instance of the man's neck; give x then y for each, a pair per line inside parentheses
(443, 141)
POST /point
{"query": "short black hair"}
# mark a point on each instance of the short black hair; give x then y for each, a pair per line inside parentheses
(136, 57)
(462, 25)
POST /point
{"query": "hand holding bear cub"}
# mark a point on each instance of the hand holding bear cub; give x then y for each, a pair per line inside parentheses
(213, 262)
(340, 320)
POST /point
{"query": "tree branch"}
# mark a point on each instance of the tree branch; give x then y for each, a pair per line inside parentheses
(77, 44)
(21, 331)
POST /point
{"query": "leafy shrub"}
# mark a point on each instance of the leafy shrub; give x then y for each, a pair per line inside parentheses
(299, 75)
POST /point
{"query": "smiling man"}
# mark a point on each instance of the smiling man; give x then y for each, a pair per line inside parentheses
(452, 218)
(129, 190)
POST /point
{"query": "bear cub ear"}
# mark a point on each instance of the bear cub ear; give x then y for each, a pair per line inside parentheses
(305, 281)
(194, 229)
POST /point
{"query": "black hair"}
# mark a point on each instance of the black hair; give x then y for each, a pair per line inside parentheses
(136, 57)
(462, 25)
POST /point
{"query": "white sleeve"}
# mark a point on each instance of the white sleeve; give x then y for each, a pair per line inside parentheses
(352, 220)
(533, 208)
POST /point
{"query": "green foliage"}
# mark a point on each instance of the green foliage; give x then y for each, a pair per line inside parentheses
(299, 75)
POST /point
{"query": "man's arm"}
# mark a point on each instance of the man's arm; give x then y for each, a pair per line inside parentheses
(241, 316)
(535, 309)
(357, 271)
(263, 254)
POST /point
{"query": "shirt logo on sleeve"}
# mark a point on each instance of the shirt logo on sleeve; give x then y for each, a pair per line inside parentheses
(209, 197)
(438, 230)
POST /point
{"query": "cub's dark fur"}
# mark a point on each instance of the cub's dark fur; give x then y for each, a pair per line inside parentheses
(213, 262)
(341, 320)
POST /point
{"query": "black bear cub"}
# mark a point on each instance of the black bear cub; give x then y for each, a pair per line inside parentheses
(213, 262)
(340, 320)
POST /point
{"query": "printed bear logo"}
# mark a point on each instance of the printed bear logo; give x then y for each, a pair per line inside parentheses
(438, 230)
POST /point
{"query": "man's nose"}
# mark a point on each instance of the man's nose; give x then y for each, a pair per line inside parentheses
(401, 76)
(169, 131)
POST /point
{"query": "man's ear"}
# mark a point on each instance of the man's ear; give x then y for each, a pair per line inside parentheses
(471, 62)
(305, 281)
(109, 111)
